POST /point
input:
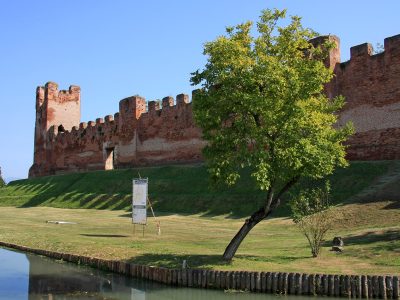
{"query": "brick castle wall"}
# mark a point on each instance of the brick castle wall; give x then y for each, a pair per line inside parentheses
(165, 133)
(371, 86)
(135, 136)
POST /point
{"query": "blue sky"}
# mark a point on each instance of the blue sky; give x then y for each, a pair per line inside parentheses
(115, 49)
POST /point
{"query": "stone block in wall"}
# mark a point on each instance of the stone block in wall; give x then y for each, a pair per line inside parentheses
(167, 101)
(153, 106)
(109, 118)
(182, 99)
(131, 108)
(361, 50)
(392, 44)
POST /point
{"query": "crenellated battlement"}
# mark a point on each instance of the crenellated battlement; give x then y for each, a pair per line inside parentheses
(138, 134)
(130, 108)
(164, 132)
(365, 52)
(369, 78)
(392, 44)
(50, 92)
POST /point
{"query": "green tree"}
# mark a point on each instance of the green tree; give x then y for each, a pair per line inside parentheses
(314, 215)
(262, 106)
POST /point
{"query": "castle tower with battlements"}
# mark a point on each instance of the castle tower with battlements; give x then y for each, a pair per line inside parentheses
(136, 136)
(54, 109)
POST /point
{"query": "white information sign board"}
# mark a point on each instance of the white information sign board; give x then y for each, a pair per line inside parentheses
(139, 201)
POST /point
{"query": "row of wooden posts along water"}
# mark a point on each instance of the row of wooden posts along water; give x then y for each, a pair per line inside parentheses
(351, 286)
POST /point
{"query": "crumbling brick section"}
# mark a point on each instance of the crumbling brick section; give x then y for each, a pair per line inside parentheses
(165, 132)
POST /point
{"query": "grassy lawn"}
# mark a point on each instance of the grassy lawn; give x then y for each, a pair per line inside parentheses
(178, 189)
(372, 242)
(204, 219)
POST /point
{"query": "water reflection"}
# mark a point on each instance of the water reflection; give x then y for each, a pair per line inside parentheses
(47, 279)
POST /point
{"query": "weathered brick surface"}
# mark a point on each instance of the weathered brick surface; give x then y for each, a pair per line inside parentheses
(371, 86)
(165, 133)
(132, 137)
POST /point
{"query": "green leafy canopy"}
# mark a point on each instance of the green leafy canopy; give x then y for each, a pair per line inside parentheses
(309, 202)
(262, 104)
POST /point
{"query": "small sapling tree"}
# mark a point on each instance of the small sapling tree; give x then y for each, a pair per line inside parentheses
(314, 216)
(262, 106)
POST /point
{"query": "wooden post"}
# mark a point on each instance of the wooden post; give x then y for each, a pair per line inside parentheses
(375, 286)
(184, 278)
(199, 278)
(318, 284)
(179, 277)
(305, 285)
(275, 282)
(298, 280)
(263, 282)
(252, 281)
(228, 275)
(324, 285)
(175, 277)
(389, 287)
(228, 280)
(382, 287)
(311, 280)
(396, 287)
(292, 284)
(370, 287)
(269, 282)
(190, 278)
(204, 279)
(347, 286)
(285, 283)
(358, 286)
(331, 287)
(222, 282)
(258, 281)
(336, 284)
(217, 279)
(364, 286)
(211, 279)
(280, 283)
(195, 278)
(247, 276)
(242, 280)
(235, 284)
(353, 287)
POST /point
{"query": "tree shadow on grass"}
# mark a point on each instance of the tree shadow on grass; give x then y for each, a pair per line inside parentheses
(176, 260)
(393, 205)
(371, 237)
(127, 215)
(104, 235)
(202, 261)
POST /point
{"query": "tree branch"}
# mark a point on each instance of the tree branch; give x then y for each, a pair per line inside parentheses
(288, 185)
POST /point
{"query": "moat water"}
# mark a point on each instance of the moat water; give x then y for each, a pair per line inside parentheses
(28, 276)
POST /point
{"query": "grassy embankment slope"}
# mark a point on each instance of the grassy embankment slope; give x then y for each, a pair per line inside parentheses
(195, 224)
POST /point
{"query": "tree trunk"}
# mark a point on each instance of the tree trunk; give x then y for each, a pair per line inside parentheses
(255, 218)
(272, 202)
